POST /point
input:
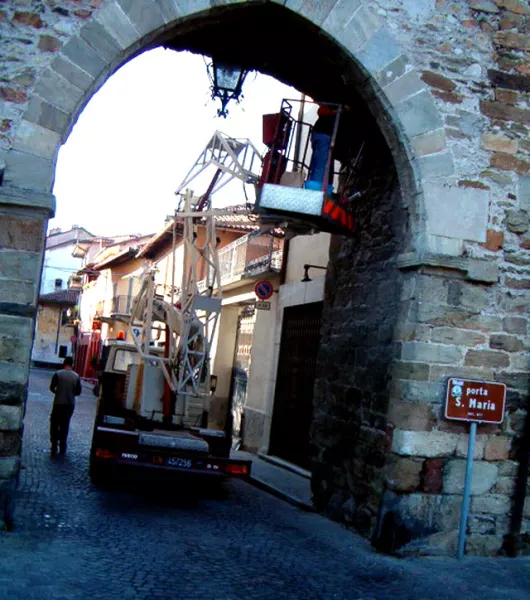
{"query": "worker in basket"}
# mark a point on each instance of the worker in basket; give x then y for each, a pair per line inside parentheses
(321, 136)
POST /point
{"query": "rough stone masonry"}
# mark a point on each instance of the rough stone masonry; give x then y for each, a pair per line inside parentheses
(435, 284)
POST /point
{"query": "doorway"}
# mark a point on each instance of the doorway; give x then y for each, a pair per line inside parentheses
(293, 398)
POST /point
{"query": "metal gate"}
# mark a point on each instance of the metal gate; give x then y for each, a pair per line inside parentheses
(240, 371)
(293, 398)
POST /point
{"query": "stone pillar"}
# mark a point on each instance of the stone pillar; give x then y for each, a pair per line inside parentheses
(24, 215)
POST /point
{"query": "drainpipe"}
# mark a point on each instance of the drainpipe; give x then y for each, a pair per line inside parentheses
(58, 327)
(512, 541)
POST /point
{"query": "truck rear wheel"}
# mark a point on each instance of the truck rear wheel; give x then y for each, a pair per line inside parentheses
(98, 473)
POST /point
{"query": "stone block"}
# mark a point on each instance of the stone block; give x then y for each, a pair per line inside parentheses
(517, 221)
(499, 143)
(9, 466)
(508, 468)
(188, 7)
(57, 91)
(27, 171)
(114, 20)
(412, 332)
(102, 41)
(491, 504)
(482, 271)
(410, 370)
(482, 524)
(18, 264)
(428, 444)
(379, 51)
(458, 337)
(352, 35)
(403, 474)
(487, 6)
(317, 12)
(440, 372)
(436, 166)
(463, 444)
(519, 304)
(15, 349)
(494, 240)
(438, 244)
(340, 15)
(411, 391)
(418, 114)
(21, 232)
(505, 112)
(438, 81)
(36, 140)
(472, 297)
(516, 325)
(431, 476)
(429, 143)
(505, 486)
(431, 353)
(430, 289)
(519, 7)
(145, 18)
(423, 514)
(461, 211)
(486, 359)
(10, 418)
(169, 9)
(498, 448)
(19, 292)
(44, 114)
(404, 87)
(524, 193)
(512, 39)
(508, 343)
(484, 477)
(411, 416)
(85, 57)
(13, 372)
(484, 545)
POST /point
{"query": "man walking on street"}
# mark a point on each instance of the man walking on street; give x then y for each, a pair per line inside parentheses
(66, 385)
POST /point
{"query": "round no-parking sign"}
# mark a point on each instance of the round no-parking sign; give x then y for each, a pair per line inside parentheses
(263, 289)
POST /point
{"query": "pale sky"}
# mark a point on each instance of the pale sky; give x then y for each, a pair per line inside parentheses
(139, 136)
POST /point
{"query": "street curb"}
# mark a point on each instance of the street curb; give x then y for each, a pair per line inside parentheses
(274, 491)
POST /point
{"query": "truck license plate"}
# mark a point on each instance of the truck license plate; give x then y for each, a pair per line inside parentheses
(182, 463)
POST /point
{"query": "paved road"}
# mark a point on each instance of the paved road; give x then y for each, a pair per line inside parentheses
(74, 541)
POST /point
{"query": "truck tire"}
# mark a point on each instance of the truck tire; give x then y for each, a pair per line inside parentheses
(98, 473)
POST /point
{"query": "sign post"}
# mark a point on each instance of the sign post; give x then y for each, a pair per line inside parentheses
(475, 402)
(467, 490)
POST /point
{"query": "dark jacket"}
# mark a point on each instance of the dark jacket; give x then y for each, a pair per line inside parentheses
(66, 385)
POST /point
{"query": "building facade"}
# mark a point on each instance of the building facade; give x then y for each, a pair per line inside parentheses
(433, 284)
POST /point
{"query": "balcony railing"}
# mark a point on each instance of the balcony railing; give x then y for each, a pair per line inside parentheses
(249, 256)
(122, 304)
(118, 305)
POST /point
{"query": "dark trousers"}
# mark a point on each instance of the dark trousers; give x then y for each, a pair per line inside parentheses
(59, 424)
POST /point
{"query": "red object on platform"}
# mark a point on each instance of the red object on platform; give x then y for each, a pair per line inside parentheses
(274, 136)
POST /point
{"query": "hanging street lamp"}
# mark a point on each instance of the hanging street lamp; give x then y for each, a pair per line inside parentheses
(227, 83)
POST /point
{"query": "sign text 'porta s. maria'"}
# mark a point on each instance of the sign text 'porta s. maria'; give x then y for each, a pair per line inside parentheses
(470, 400)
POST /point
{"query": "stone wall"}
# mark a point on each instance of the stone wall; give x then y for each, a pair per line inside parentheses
(363, 290)
(465, 315)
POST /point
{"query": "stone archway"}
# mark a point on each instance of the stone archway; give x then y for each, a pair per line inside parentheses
(104, 34)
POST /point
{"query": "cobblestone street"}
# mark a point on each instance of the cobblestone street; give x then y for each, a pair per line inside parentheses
(75, 541)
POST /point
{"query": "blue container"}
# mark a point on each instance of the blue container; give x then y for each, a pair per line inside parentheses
(317, 186)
